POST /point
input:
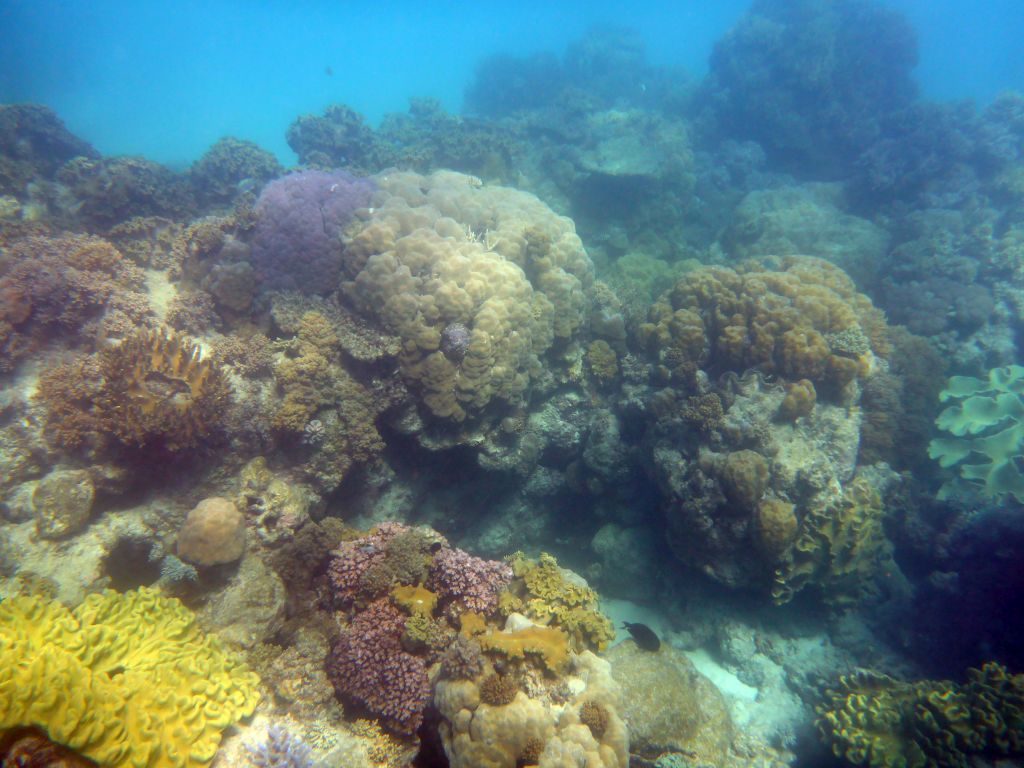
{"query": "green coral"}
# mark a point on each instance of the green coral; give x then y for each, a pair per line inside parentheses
(871, 719)
(124, 679)
(542, 592)
(987, 424)
(839, 548)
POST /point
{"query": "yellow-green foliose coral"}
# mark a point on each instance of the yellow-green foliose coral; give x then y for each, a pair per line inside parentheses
(542, 592)
(839, 548)
(124, 679)
(871, 719)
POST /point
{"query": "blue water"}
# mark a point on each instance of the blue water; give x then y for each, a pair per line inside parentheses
(166, 80)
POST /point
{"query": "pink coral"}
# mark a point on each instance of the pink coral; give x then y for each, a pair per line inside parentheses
(369, 666)
(467, 583)
(354, 558)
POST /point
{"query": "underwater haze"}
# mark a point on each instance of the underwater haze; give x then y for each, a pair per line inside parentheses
(166, 80)
(493, 385)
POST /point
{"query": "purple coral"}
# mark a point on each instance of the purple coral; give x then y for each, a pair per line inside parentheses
(300, 218)
(282, 749)
(455, 341)
(354, 558)
(369, 666)
(468, 583)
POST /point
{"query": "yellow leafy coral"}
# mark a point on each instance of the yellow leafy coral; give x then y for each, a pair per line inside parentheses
(543, 593)
(839, 548)
(871, 719)
(126, 679)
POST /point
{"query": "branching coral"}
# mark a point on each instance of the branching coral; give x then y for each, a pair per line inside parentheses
(125, 679)
(50, 284)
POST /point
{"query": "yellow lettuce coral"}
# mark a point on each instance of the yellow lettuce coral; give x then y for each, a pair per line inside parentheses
(124, 679)
(543, 592)
(871, 719)
(839, 548)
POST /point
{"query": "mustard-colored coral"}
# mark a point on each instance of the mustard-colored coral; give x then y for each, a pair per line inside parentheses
(871, 719)
(839, 548)
(549, 644)
(542, 592)
(444, 251)
(419, 601)
(124, 679)
(604, 363)
(792, 317)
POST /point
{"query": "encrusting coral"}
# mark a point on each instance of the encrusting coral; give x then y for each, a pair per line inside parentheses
(126, 679)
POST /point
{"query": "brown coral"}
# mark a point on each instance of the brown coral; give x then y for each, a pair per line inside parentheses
(792, 317)
(158, 390)
(498, 690)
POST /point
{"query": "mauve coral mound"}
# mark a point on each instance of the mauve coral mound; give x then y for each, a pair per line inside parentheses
(300, 218)
(469, 583)
(369, 666)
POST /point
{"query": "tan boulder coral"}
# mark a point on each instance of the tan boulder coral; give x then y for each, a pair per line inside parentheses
(213, 533)
(536, 730)
(479, 282)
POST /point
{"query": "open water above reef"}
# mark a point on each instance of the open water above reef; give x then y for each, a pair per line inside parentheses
(616, 390)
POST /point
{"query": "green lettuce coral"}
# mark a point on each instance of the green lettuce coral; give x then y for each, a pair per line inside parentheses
(127, 680)
(986, 419)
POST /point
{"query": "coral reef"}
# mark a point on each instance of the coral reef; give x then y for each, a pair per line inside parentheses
(229, 168)
(56, 285)
(793, 77)
(794, 318)
(124, 679)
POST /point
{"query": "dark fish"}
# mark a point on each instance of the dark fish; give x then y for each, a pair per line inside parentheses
(643, 635)
(328, 70)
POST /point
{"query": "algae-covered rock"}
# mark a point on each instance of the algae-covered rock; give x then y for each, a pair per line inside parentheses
(669, 706)
(63, 502)
(250, 609)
